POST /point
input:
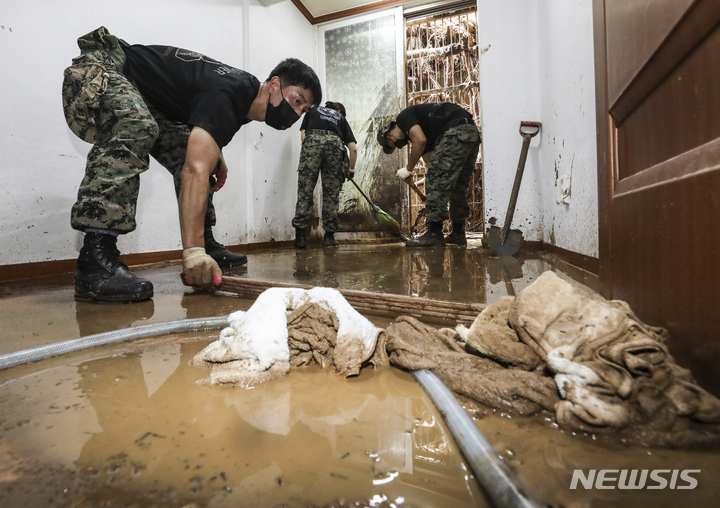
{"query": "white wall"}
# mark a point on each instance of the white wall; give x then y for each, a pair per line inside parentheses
(42, 162)
(536, 64)
(277, 31)
(569, 147)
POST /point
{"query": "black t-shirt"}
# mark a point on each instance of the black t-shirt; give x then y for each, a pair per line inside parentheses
(433, 118)
(192, 88)
(329, 120)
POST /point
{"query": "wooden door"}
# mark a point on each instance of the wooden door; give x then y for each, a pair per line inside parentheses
(658, 106)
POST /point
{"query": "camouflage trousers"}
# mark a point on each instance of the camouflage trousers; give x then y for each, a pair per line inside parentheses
(449, 173)
(323, 153)
(103, 107)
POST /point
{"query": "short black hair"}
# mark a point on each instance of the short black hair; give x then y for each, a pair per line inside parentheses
(337, 106)
(293, 72)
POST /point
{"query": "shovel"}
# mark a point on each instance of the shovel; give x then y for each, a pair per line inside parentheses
(414, 187)
(506, 241)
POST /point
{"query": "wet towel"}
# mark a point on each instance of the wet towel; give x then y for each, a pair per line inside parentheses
(611, 369)
(255, 347)
(558, 348)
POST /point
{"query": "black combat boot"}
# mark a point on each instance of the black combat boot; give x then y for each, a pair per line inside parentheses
(329, 239)
(101, 276)
(433, 237)
(223, 257)
(300, 242)
(457, 235)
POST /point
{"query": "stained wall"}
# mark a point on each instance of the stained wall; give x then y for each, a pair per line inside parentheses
(536, 64)
(43, 162)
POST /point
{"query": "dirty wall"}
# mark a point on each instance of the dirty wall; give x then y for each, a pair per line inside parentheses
(360, 66)
(43, 162)
(536, 63)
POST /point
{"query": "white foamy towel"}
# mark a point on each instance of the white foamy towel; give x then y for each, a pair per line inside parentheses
(259, 337)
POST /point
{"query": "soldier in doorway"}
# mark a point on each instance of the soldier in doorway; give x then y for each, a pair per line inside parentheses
(325, 133)
(182, 108)
(445, 136)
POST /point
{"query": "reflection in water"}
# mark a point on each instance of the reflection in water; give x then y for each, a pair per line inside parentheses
(504, 269)
(151, 436)
(469, 275)
(133, 429)
(158, 364)
(110, 317)
(128, 430)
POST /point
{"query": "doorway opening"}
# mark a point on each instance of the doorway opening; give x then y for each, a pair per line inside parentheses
(442, 65)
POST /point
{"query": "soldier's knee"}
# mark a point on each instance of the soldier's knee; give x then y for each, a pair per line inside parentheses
(141, 135)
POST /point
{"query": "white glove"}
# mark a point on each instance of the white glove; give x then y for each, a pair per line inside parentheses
(403, 173)
(199, 269)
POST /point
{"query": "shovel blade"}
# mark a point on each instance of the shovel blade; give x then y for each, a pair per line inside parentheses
(510, 246)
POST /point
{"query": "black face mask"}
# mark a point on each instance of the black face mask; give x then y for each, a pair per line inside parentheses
(281, 117)
(399, 143)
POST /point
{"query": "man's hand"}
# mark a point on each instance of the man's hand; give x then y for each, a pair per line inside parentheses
(199, 269)
(403, 174)
(220, 174)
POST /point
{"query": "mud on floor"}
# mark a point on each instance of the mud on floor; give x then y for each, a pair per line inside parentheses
(127, 426)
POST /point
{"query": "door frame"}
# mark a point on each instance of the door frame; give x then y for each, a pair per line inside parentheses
(604, 122)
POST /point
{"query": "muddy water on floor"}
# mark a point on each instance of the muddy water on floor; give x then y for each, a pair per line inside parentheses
(90, 430)
(545, 457)
(472, 275)
(127, 426)
(42, 311)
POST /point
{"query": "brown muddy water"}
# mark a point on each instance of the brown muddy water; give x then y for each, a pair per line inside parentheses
(125, 425)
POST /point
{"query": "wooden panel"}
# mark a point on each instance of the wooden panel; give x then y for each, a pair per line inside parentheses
(680, 114)
(380, 4)
(378, 304)
(695, 25)
(635, 29)
(703, 158)
(665, 250)
(301, 7)
(658, 109)
(587, 263)
(44, 268)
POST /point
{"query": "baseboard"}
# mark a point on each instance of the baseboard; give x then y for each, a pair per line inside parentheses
(33, 270)
(45, 268)
(587, 263)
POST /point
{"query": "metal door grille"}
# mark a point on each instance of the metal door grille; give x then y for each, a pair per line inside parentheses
(442, 66)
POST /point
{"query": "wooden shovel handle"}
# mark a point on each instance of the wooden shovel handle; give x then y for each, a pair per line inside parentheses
(414, 187)
(527, 135)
